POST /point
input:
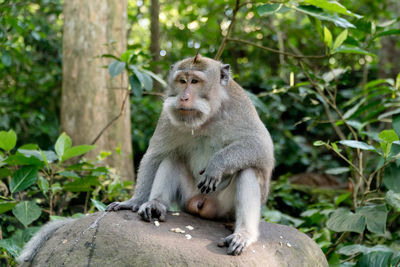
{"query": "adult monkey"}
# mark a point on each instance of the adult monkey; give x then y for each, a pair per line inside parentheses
(210, 152)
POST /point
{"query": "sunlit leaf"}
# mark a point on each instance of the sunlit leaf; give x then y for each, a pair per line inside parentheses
(319, 14)
(333, 6)
(349, 49)
(340, 39)
(99, 206)
(327, 37)
(356, 144)
(268, 9)
(76, 151)
(7, 205)
(8, 140)
(393, 199)
(63, 143)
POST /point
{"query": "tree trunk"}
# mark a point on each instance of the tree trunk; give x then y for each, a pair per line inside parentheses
(90, 97)
(155, 36)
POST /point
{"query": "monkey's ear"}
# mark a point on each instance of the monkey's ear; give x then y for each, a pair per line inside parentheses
(225, 74)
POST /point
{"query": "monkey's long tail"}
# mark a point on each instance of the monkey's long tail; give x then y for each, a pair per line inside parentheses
(32, 247)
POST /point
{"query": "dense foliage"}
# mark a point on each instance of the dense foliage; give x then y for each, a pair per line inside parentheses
(316, 71)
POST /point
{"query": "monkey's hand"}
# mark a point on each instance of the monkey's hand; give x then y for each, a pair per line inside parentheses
(237, 242)
(130, 204)
(153, 209)
(210, 181)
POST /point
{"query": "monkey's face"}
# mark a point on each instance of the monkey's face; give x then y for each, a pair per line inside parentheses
(187, 100)
(196, 89)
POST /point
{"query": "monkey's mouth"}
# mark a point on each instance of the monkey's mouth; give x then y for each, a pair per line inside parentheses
(187, 111)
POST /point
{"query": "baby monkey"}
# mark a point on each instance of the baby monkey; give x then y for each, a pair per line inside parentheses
(210, 153)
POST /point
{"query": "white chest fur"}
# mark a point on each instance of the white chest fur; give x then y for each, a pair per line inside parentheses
(200, 152)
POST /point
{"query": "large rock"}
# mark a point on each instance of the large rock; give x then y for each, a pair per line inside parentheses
(122, 239)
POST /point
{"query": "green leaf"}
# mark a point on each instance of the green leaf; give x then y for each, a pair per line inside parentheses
(144, 78)
(116, 67)
(8, 140)
(43, 185)
(327, 37)
(155, 77)
(6, 206)
(350, 49)
(333, 6)
(6, 59)
(375, 259)
(136, 86)
(23, 178)
(63, 143)
(343, 220)
(76, 151)
(342, 198)
(319, 143)
(81, 185)
(99, 206)
(396, 124)
(319, 14)
(356, 144)
(268, 9)
(336, 171)
(351, 250)
(27, 212)
(388, 136)
(5, 172)
(393, 199)
(340, 39)
(391, 178)
(11, 246)
(20, 159)
(127, 55)
(69, 174)
(375, 217)
(388, 32)
(44, 155)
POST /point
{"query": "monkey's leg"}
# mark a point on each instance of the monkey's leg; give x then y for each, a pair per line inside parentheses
(247, 213)
(172, 179)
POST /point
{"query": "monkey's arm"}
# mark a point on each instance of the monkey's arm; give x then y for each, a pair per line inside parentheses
(246, 152)
(144, 182)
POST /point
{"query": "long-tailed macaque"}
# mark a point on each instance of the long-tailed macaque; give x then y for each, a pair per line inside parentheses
(210, 153)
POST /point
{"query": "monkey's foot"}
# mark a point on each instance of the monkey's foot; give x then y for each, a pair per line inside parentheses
(125, 205)
(237, 242)
(153, 209)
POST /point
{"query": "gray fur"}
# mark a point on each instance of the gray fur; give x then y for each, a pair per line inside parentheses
(35, 243)
(191, 155)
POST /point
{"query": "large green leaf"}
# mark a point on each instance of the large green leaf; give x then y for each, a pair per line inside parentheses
(11, 246)
(319, 14)
(388, 32)
(144, 78)
(116, 67)
(27, 212)
(8, 140)
(76, 151)
(391, 178)
(375, 217)
(333, 6)
(43, 155)
(343, 220)
(136, 86)
(388, 136)
(393, 199)
(268, 9)
(7, 205)
(43, 185)
(375, 259)
(23, 178)
(63, 143)
(356, 144)
(351, 49)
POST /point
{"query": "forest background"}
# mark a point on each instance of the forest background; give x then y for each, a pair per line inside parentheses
(80, 93)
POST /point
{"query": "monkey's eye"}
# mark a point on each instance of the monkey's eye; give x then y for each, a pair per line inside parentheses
(194, 81)
(182, 81)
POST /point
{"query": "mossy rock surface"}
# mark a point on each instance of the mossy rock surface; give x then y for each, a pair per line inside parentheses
(123, 239)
